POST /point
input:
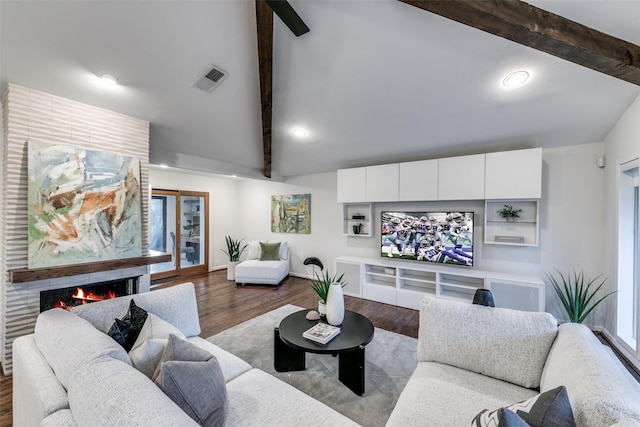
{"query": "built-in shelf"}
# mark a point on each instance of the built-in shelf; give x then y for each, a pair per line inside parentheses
(406, 283)
(22, 275)
(359, 215)
(521, 231)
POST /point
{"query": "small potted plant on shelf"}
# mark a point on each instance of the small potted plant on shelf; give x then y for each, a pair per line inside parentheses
(576, 293)
(321, 283)
(509, 213)
(233, 251)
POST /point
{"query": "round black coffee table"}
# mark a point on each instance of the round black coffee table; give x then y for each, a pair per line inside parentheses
(356, 332)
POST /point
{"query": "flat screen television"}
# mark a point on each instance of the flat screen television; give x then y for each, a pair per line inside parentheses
(438, 237)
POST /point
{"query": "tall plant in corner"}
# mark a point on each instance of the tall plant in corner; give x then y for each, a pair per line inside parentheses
(577, 294)
(234, 249)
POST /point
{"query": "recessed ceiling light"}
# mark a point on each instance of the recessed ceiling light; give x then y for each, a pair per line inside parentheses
(299, 132)
(516, 79)
(108, 79)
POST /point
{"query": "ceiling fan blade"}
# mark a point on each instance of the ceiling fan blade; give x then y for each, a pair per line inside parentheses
(291, 19)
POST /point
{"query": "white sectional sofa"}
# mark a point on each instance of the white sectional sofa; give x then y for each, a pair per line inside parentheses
(472, 358)
(70, 372)
(253, 270)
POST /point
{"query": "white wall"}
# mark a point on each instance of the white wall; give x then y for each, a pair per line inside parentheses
(223, 209)
(622, 143)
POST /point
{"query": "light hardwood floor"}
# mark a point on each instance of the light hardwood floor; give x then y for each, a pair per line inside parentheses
(222, 304)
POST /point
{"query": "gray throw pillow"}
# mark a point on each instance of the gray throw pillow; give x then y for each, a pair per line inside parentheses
(548, 409)
(192, 378)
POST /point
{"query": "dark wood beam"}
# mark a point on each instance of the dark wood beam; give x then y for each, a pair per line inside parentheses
(264, 20)
(528, 25)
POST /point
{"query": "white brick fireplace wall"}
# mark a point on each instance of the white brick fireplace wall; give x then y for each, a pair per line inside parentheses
(32, 115)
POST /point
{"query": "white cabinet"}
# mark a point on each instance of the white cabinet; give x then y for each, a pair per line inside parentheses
(352, 185)
(519, 231)
(514, 174)
(405, 283)
(461, 178)
(356, 219)
(418, 180)
(382, 183)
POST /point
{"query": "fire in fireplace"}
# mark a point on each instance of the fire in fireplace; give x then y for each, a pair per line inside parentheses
(68, 298)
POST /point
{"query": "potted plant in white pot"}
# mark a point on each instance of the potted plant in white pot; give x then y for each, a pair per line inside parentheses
(233, 251)
(322, 284)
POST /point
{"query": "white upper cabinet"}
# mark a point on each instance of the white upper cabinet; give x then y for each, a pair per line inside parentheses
(382, 183)
(419, 180)
(461, 178)
(352, 184)
(514, 174)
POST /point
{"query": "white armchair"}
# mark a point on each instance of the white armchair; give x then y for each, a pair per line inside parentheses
(266, 264)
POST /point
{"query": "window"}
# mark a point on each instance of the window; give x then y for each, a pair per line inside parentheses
(628, 229)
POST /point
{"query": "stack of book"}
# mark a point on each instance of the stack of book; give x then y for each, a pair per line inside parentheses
(321, 333)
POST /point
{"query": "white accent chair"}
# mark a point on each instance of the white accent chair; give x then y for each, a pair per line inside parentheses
(255, 270)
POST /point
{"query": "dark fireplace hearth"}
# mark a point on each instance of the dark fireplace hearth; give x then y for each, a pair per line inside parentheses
(68, 298)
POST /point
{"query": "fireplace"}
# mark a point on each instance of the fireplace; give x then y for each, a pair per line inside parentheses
(70, 297)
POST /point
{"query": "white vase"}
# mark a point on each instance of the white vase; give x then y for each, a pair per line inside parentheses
(231, 270)
(322, 308)
(335, 305)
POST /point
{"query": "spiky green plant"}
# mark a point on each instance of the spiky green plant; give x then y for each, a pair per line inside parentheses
(234, 250)
(577, 294)
(322, 283)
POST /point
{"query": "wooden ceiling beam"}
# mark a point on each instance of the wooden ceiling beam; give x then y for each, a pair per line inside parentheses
(264, 22)
(530, 26)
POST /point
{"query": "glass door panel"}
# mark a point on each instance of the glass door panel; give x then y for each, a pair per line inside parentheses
(193, 232)
(162, 232)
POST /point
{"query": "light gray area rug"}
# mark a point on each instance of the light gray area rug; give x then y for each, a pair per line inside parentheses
(390, 361)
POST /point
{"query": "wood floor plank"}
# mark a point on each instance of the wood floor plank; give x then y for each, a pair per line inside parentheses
(222, 304)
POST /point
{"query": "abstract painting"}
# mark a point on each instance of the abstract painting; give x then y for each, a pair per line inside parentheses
(291, 214)
(83, 205)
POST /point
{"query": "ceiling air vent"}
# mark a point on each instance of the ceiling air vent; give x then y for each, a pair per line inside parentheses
(210, 79)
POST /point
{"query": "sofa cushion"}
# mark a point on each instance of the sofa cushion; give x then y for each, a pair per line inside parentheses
(192, 378)
(548, 409)
(108, 392)
(600, 390)
(269, 251)
(232, 366)
(259, 399)
(253, 249)
(125, 331)
(148, 348)
(505, 344)
(69, 342)
(176, 305)
(61, 418)
(255, 271)
(502, 417)
(284, 251)
(439, 395)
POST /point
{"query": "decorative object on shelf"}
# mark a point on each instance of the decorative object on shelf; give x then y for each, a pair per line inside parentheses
(191, 227)
(335, 304)
(357, 216)
(291, 214)
(233, 251)
(357, 228)
(321, 284)
(313, 261)
(509, 213)
(484, 297)
(576, 293)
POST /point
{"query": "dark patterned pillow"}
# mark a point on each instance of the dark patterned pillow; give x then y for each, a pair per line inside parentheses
(548, 409)
(125, 331)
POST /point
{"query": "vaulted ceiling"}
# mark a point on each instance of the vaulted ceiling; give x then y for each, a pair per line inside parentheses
(372, 81)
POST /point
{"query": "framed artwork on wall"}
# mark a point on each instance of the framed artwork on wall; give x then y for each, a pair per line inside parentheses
(291, 213)
(83, 205)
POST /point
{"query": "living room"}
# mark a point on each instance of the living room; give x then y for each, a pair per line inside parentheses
(578, 210)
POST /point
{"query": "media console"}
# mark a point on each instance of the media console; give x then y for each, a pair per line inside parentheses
(405, 283)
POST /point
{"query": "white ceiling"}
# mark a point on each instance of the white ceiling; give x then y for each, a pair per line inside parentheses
(373, 81)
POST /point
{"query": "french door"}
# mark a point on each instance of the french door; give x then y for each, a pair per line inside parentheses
(179, 225)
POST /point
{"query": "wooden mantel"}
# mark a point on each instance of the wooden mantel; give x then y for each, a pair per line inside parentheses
(21, 275)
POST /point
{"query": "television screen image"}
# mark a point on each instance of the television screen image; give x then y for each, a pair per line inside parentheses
(439, 237)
